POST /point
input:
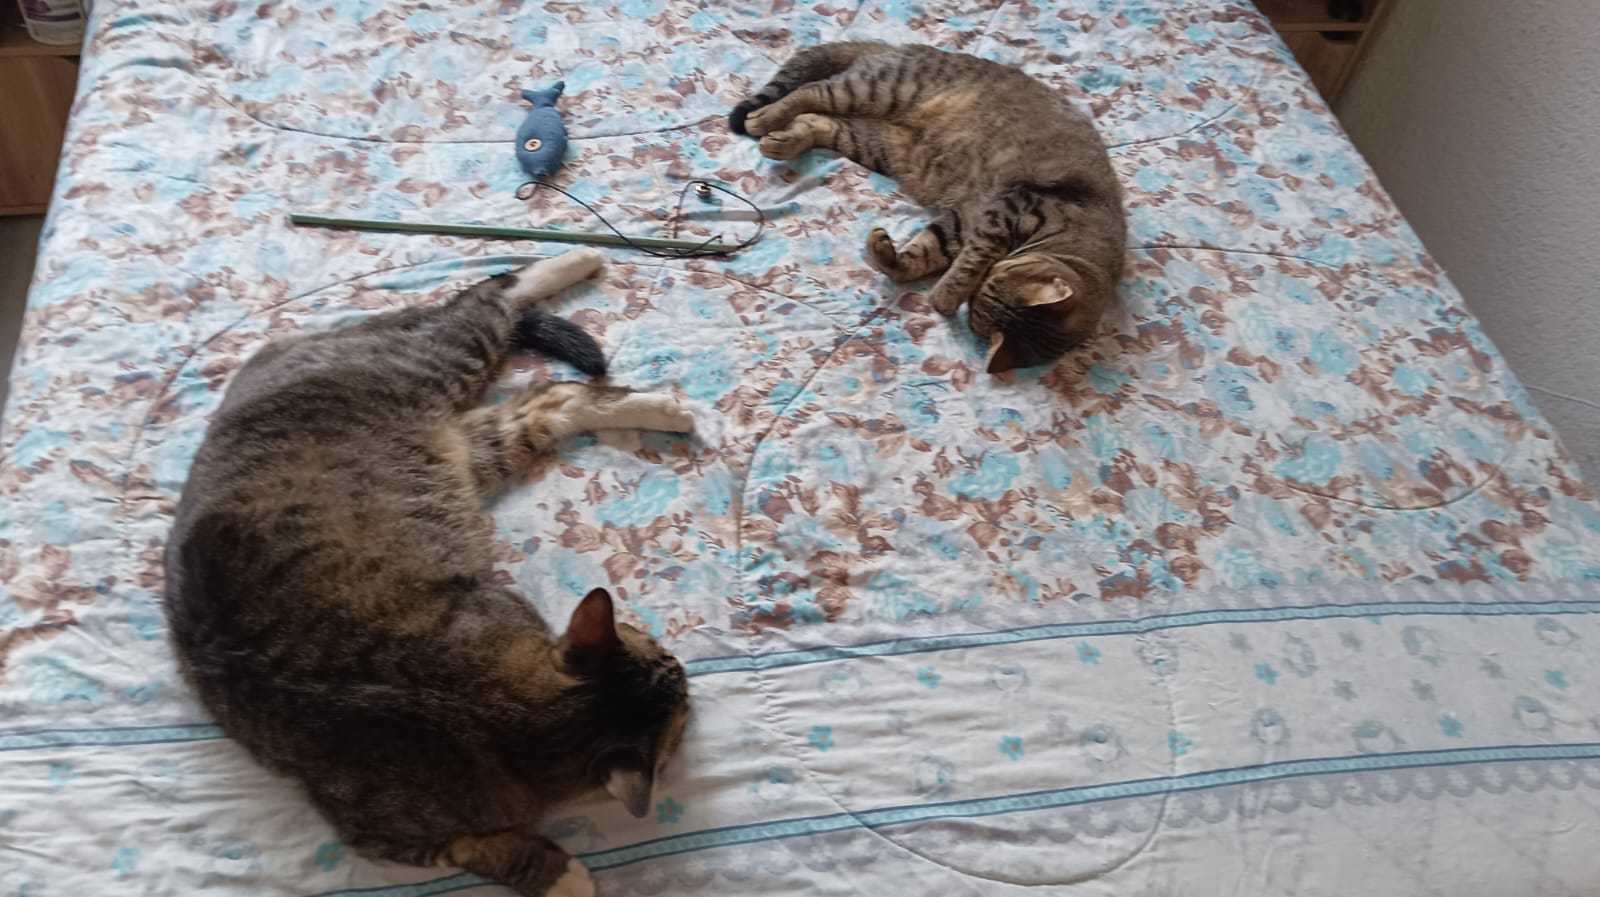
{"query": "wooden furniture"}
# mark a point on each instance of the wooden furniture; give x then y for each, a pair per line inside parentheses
(37, 82)
(1327, 36)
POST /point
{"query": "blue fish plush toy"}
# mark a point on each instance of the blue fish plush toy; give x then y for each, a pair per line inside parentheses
(542, 139)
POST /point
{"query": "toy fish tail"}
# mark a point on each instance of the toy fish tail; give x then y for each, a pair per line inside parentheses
(546, 97)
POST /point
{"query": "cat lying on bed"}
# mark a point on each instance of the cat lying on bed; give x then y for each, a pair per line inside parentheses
(331, 593)
(1029, 221)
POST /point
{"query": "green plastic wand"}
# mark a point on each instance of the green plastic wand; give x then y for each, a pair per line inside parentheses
(508, 233)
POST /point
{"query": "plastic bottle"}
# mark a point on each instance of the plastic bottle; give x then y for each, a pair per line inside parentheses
(54, 21)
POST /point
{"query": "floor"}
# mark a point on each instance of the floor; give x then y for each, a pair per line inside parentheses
(19, 242)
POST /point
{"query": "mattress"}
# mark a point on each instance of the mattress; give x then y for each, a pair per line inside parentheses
(1280, 586)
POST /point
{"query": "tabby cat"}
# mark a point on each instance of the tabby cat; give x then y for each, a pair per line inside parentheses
(1029, 221)
(331, 591)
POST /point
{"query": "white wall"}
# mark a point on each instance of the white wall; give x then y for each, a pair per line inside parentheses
(1482, 118)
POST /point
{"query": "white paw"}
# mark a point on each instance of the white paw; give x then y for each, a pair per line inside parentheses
(574, 264)
(680, 419)
(575, 882)
(664, 413)
(544, 278)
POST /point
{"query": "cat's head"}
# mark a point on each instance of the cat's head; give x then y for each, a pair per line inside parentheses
(1032, 308)
(634, 693)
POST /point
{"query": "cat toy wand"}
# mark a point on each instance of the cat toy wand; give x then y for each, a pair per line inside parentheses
(513, 233)
(541, 147)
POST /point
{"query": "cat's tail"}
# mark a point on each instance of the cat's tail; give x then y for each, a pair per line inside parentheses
(542, 332)
(810, 64)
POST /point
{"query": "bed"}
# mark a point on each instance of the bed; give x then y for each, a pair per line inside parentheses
(1281, 586)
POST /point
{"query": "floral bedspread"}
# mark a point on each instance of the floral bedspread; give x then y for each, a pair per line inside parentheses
(1282, 586)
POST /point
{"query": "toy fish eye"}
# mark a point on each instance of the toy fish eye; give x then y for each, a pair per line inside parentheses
(532, 144)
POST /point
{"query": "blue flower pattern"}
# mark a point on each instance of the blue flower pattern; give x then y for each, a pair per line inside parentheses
(993, 475)
(821, 737)
(61, 774)
(125, 861)
(329, 855)
(649, 499)
(669, 811)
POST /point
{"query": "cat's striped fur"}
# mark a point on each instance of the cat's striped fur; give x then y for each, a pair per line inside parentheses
(1029, 222)
(331, 590)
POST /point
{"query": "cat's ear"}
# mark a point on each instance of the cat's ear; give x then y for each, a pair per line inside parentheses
(594, 623)
(1001, 358)
(1057, 290)
(632, 787)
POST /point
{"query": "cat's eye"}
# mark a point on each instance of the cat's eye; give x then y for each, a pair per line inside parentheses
(532, 144)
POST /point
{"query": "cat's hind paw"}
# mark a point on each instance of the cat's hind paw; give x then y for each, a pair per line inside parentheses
(552, 275)
(587, 408)
(662, 413)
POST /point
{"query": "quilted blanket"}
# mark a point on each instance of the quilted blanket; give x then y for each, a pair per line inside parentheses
(1281, 586)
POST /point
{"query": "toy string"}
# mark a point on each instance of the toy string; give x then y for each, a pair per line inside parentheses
(690, 252)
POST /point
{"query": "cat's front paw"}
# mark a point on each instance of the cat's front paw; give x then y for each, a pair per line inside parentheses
(944, 302)
(881, 254)
(575, 882)
(784, 145)
(765, 120)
